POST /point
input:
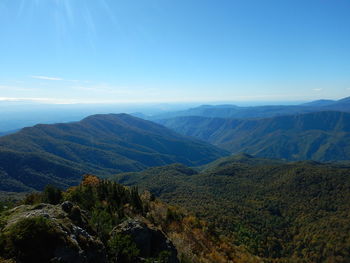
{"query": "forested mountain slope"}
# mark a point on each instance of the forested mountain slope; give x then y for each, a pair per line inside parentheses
(321, 136)
(103, 144)
(287, 212)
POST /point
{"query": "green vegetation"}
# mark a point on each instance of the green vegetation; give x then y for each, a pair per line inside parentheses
(34, 239)
(58, 154)
(122, 248)
(103, 219)
(52, 195)
(283, 212)
(29, 240)
(320, 136)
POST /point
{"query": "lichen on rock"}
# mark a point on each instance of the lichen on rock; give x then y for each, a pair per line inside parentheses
(45, 233)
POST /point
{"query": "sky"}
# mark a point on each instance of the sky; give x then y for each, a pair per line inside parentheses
(121, 51)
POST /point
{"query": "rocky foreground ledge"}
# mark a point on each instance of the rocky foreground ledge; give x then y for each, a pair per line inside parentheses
(61, 233)
(100, 221)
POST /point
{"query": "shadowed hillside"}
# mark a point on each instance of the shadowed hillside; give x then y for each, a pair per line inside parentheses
(103, 144)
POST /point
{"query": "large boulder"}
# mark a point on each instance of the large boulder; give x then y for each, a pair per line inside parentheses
(150, 241)
(47, 233)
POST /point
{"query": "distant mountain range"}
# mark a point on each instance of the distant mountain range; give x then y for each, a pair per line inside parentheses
(106, 144)
(15, 115)
(233, 111)
(321, 136)
(101, 144)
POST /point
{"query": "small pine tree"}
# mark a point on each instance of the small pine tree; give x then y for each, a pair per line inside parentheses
(121, 248)
(135, 199)
(52, 195)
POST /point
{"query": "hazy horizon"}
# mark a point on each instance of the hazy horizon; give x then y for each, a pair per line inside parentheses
(171, 105)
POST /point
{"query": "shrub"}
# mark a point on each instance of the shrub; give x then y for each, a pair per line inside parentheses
(52, 195)
(103, 222)
(30, 240)
(33, 198)
(122, 249)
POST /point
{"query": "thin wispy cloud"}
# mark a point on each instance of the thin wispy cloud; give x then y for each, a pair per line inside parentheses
(46, 78)
(40, 100)
(317, 89)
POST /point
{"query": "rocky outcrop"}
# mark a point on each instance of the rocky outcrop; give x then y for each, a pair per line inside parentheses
(47, 233)
(150, 241)
(61, 233)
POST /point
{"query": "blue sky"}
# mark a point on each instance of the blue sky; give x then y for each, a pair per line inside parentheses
(68, 51)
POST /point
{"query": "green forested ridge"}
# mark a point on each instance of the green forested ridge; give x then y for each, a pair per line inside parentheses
(101, 144)
(283, 212)
(320, 136)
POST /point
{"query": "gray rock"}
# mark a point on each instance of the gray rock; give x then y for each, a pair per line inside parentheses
(67, 206)
(149, 241)
(69, 243)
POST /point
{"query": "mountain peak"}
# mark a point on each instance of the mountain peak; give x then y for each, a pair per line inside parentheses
(103, 144)
(108, 116)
